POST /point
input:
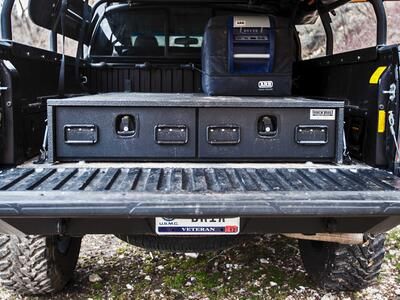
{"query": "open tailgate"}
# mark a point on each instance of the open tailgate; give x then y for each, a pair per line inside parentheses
(127, 192)
(182, 191)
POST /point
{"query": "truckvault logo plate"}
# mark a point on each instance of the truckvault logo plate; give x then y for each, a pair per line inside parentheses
(322, 114)
(198, 226)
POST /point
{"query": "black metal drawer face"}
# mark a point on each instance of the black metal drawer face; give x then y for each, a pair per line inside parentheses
(80, 134)
(223, 134)
(265, 133)
(171, 134)
(124, 133)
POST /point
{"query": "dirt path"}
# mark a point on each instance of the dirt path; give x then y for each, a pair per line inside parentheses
(268, 267)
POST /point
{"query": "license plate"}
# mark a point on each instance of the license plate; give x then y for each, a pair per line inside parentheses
(197, 226)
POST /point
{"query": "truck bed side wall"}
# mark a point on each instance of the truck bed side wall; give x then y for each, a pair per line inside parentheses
(350, 77)
(31, 76)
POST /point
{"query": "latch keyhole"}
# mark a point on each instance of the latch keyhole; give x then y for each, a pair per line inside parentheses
(126, 125)
(267, 126)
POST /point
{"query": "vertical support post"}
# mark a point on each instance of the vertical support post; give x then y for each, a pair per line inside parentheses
(5, 19)
(326, 22)
(381, 26)
(53, 41)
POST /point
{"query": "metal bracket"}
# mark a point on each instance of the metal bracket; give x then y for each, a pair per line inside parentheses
(341, 238)
(61, 227)
(391, 92)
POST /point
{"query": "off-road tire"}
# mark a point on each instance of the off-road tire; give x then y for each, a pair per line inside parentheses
(36, 265)
(338, 267)
(182, 244)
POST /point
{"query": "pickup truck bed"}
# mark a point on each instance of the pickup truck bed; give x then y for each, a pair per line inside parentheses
(270, 192)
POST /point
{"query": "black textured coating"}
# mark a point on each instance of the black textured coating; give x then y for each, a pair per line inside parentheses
(144, 192)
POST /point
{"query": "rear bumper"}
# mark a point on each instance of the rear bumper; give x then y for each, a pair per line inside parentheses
(268, 199)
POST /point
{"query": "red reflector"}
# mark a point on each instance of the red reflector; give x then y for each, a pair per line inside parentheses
(231, 229)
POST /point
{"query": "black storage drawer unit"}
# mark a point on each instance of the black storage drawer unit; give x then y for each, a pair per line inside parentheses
(194, 127)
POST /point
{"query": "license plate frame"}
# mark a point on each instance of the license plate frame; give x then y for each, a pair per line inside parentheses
(197, 226)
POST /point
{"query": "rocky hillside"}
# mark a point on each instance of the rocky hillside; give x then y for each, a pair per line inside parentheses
(354, 27)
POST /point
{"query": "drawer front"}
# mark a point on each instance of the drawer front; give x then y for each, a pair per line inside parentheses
(124, 132)
(259, 133)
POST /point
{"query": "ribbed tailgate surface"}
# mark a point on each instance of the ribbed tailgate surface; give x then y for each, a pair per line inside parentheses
(197, 180)
(136, 192)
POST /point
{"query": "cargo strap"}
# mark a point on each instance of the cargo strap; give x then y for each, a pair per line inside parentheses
(393, 133)
(61, 78)
(193, 67)
(81, 80)
(43, 151)
(346, 154)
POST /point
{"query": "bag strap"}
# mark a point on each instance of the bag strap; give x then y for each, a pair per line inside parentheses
(79, 53)
(61, 78)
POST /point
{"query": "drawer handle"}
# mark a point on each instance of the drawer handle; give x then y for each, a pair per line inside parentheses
(223, 134)
(171, 134)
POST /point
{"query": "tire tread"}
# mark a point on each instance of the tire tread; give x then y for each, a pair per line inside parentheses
(347, 267)
(27, 266)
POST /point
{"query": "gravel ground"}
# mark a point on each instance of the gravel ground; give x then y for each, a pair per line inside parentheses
(265, 267)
